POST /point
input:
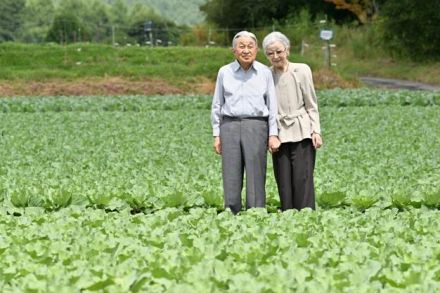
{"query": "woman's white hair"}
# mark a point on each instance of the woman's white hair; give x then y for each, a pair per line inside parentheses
(244, 34)
(275, 37)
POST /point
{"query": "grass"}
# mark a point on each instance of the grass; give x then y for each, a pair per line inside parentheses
(351, 67)
(180, 66)
(40, 62)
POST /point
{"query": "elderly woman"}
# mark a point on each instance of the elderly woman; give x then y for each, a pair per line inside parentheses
(298, 125)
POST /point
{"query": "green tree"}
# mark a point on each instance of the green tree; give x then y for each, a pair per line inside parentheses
(140, 12)
(69, 22)
(364, 10)
(243, 14)
(250, 14)
(180, 12)
(412, 27)
(119, 13)
(96, 20)
(148, 27)
(66, 28)
(119, 20)
(84, 21)
(10, 18)
(37, 18)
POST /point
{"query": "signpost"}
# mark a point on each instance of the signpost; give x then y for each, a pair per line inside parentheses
(327, 35)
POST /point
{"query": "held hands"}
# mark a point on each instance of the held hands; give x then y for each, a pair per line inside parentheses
(316, 140)
(273, 144)
(217, 145)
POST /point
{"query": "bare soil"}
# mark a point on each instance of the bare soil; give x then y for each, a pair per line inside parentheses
(87, 87)
(110, 86)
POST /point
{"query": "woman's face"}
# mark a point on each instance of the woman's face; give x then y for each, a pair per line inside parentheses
(277, 54)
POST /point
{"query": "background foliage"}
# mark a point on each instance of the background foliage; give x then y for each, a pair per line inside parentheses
(412, 28)
(10, 18)
(393, 25)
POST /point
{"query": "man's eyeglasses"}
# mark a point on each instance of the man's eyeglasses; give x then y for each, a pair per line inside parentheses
(272, 53)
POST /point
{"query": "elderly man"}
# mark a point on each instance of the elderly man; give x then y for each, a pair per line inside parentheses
(244, 123)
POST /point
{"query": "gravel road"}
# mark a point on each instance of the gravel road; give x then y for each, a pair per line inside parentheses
(397, 84)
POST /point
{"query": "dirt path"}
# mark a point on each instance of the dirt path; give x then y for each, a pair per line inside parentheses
(397, 84)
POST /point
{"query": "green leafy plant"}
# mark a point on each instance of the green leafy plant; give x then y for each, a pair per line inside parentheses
(25, 197)
(174, 199)
(212, 199)
(331, 199)
(99, 200)
(57, 198)
(404, 201)
(432, 200)
(363, 201)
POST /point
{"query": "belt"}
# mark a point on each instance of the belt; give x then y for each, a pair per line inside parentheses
(230, 118)
(289, 119)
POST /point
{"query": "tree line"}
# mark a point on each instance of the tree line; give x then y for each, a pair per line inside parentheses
(68, 21)
(405, 27)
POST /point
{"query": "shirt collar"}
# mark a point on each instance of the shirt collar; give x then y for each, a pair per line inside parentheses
(236, 65)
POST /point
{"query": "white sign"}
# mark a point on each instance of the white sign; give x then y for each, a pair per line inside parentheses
(326, 34)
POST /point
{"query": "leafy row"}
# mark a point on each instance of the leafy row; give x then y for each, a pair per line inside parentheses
(173, 251)
(372, 157)
(334, 98)
(374, 97)
(101, 104)
(63, 172)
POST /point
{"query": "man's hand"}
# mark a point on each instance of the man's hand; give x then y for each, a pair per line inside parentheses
(273, 144)
(217, 145)
(316, 140)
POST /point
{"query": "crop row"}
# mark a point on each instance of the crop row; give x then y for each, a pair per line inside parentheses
(384, 156)
(334, 98)
(173, 251)
(135, 203)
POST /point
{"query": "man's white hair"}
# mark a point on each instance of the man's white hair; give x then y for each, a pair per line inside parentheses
(275, 37)
(244, 34)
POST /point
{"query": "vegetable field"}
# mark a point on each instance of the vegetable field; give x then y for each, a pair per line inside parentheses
(121, 194)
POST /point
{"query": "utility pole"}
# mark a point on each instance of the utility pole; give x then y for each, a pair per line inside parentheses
(113, 35)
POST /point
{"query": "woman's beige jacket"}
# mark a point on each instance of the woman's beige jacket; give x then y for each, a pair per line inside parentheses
(298, 115)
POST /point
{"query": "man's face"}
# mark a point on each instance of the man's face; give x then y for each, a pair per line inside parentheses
(245, 51)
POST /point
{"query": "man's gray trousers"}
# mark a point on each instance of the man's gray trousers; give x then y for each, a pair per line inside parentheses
(244, 147)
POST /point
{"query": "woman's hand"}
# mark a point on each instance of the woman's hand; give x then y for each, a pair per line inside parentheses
(316, 140)
(273, 144)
